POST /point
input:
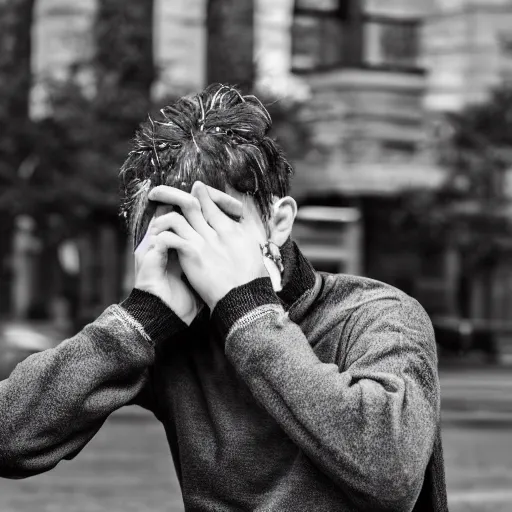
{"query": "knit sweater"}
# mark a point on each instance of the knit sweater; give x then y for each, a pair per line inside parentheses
(323, 397)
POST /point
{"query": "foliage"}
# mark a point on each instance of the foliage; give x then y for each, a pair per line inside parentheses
(66, 164)
(69, 168)
(475, 147)
(230, 42)
(292, 133)
(15, 128)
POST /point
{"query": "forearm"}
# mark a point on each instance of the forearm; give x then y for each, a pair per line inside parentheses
(54, 402)
(370, 428)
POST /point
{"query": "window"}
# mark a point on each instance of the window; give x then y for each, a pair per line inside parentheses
(317, 5)
(391, 43)
(319, 34)
(317, 42)
(505, 43)
(405, 147)
(334, 33)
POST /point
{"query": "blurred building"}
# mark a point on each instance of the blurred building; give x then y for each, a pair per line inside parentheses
(373, 73)
(359, 63)
(61, 37)
(362, 61)
(379, 74)
(467, 50)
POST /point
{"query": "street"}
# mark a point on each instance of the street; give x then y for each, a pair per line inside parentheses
(477, 435)
(127, 467)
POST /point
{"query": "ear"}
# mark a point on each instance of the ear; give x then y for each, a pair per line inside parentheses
(284, 212)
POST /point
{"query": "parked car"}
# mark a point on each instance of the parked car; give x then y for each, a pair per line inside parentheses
(19, 339)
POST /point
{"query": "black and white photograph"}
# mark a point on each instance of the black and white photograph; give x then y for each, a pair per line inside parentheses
(256, 255)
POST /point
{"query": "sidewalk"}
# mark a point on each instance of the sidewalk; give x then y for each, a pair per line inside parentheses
(480, 395)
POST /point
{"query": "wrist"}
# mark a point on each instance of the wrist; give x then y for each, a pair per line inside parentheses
(157, 319)
(247, 286)
(190, 314)
(240, 301)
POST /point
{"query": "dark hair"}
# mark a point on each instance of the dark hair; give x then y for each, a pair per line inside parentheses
(218, 137)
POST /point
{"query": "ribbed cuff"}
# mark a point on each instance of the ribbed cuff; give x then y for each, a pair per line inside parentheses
(159, 321)
(242, 300)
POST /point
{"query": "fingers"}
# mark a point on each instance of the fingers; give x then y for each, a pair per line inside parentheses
(228, 204)
(166, 241)
(188, 204)
(162, 243)
(211, 212)
(204, 209)
(162, 209)
(143, 245)
(156, 255)
(175, 222)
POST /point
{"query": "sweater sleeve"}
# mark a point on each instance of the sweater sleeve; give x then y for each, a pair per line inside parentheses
(54, 402)
(371, 425)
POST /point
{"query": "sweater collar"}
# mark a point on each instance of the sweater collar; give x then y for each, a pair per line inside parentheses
(298, 276)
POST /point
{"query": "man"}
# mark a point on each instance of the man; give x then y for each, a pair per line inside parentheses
(280, 388)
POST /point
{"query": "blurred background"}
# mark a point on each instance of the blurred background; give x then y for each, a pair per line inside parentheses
(397, 115)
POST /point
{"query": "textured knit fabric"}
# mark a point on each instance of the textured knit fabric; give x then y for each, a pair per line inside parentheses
(156, 317)
(323, 397)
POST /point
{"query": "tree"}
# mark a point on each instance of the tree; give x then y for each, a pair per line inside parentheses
(472, 210)
(15, 81)
(124, 71)
(15, 71)
(230, 43)
(123, 62)
(80, 146)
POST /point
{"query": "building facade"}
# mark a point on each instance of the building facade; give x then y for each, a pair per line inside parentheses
(363, 63)
(467, 46)
(372, 75)
(357, 64)
(468, 52)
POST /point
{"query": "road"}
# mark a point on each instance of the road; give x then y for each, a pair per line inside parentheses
(127, 466)
(477, 439)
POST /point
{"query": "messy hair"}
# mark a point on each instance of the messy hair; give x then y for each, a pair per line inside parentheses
(219, 137)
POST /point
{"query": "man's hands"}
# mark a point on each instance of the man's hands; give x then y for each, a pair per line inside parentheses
(157, 270)
(158, 267)
(216, 253)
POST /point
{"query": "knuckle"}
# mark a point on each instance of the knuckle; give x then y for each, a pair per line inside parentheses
(153, 241)
(163, 223)
(174, 218)
(155, 228)
(158, 190)
(160, 238)
(196, 203)
(192, 204)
